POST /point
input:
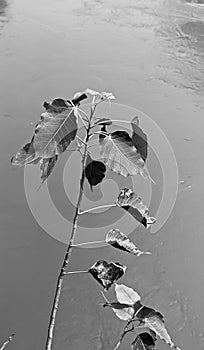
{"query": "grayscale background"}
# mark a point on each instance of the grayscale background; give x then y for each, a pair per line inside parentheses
(150, 55)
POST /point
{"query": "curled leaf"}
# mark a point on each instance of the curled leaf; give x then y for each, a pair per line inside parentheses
(126, 295)
(123, 311)
(139, 138)
(119, 240)
(94, 171)
(131, 202)
(107, 273)
(144, 341)
(120, 155)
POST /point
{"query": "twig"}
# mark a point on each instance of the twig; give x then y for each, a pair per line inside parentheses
(74, 272)
(96, 208)
(85, 243)
(125, 331)
(67, 256)
(10, 338)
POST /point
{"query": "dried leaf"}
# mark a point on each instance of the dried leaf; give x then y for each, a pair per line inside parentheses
(119, 240)
(120, 155)
(126, 295)
(144, 341)
(94, 171)
(131, 202)
(107, 273)
(139, 138)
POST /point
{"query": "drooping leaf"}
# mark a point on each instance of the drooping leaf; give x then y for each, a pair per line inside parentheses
(119, 240)
(103, 121)
(139, 138)
(144, 341)
(126, 295)
(107, 273)
(120, 155)
(53, 133)
(94, 171)
(157, 325)
(154, 320)
(131, 202)
(47, 166)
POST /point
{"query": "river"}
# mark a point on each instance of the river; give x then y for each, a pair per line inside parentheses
(150, 54)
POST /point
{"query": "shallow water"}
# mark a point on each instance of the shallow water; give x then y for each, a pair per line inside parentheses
(151, 56)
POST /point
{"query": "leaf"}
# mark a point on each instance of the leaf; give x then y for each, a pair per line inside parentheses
(126, 295)
(47, 166)
(94, 171)
(144, 341)
(100, 95)
(139, 138)
(131, 202)
(120, 155)
(25, 153)
(123, 311)
(119, 240)
(157, 325)
(54, 132)
(107, 273)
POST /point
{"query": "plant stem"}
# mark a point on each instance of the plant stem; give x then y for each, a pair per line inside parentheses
(10, 338)
(99, 207)
(91, 242)
(67, 256)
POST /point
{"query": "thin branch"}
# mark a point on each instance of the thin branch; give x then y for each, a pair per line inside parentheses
(96, 208)
(74, 272)
(92, 242)
(67, 256)
(125, 331)
(86, 115)
(10, 338)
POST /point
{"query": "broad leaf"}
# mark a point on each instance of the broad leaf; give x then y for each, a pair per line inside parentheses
(94, 171)
(119, 240)
(139, 138)
(107, 273)
(47, 166)
(154, 320)
(54, 132)
(120, 155)
(144, 341)
(123, 311)
(126, 295)
(131, 202)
